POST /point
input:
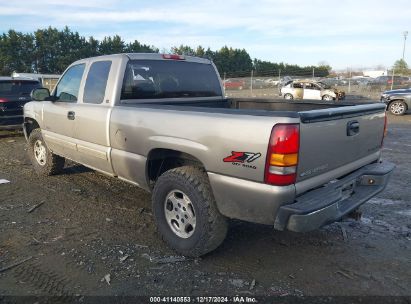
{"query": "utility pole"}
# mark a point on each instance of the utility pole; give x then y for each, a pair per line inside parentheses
(313, 73)
(252, 73)
(392, 77)
(279, 81)
(403, 49)
(349, 81)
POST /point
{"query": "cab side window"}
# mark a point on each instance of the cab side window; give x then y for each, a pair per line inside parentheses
(68, 87)
(311, 86)
(298, 85)
(95, 87)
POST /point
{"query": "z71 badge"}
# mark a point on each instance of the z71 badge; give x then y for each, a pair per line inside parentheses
(242, 158)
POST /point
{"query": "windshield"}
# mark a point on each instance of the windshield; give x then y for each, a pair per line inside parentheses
(17, 87)
(150, 79)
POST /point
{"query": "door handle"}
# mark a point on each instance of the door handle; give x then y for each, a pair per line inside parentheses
(71, 115)
(353, 128)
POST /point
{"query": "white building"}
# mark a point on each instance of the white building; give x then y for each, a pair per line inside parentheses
(375, 73)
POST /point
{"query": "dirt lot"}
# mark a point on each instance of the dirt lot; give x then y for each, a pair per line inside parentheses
(90, 226)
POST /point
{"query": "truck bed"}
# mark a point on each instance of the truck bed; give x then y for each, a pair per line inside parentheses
(326, 149)
(248, 106)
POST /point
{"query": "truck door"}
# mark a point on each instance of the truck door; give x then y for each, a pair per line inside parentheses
(59, 118)
(312, 91)
(92, 118)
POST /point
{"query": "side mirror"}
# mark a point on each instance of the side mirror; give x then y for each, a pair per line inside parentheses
(40, 94)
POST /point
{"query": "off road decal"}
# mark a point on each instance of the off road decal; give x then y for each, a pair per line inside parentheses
(241, 157)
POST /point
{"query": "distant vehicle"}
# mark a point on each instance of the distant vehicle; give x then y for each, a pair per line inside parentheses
(406, 79)
(310, 90)
(388, 80)
(14, 94)
(272, 82)
(48, 81)
(234, 84)
(363, 81)
(397, 101)
(257, 84)
(330, 81)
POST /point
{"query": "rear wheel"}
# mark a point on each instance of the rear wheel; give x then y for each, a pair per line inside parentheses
(288, 96)
(397, 107)
(186, 213)
(44, 161)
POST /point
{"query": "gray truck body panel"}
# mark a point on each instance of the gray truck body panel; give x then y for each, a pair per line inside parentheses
(118, 137)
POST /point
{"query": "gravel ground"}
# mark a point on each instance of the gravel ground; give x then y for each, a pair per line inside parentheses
(94, 235)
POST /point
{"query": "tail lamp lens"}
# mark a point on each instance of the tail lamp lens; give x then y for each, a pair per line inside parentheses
(282, 155)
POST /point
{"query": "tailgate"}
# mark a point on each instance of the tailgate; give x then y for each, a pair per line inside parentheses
(337, 140)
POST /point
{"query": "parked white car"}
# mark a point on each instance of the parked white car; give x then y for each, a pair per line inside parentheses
(310, 90)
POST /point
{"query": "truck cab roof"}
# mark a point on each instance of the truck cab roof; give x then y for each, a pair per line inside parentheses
(147, 56)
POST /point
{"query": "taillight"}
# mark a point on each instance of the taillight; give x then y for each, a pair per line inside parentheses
(282, 155)
(385, 129)
(3, 100)
(173, 57)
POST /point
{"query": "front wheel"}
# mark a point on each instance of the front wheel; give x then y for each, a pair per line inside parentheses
(186, 213)
(288, 96)
(44, 161)
(327, 97)
(397, 107)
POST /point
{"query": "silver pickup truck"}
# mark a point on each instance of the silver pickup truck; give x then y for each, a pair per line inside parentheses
(161, 122)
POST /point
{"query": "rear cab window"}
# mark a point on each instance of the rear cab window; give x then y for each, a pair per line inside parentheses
(95, 87)
(152, 79)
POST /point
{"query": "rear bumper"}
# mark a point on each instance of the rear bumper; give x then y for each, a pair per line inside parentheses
(331, 202)
(247, 200)
(11, 127)
(11, 122)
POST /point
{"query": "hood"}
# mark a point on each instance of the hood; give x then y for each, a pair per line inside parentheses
(398, 91)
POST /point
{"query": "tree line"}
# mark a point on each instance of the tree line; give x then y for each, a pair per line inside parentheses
(50, 51)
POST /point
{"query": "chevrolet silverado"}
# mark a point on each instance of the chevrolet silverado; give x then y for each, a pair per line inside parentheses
(162, 123)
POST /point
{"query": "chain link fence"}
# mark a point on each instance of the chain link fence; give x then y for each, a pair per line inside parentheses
(267, 84)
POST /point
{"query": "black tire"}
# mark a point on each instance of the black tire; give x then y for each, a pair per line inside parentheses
(397, 107)
(210, 226)
(288, 96)
(327, 98)
(51, 163)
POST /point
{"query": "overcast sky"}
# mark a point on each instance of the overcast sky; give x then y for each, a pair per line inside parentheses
(343, 33)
